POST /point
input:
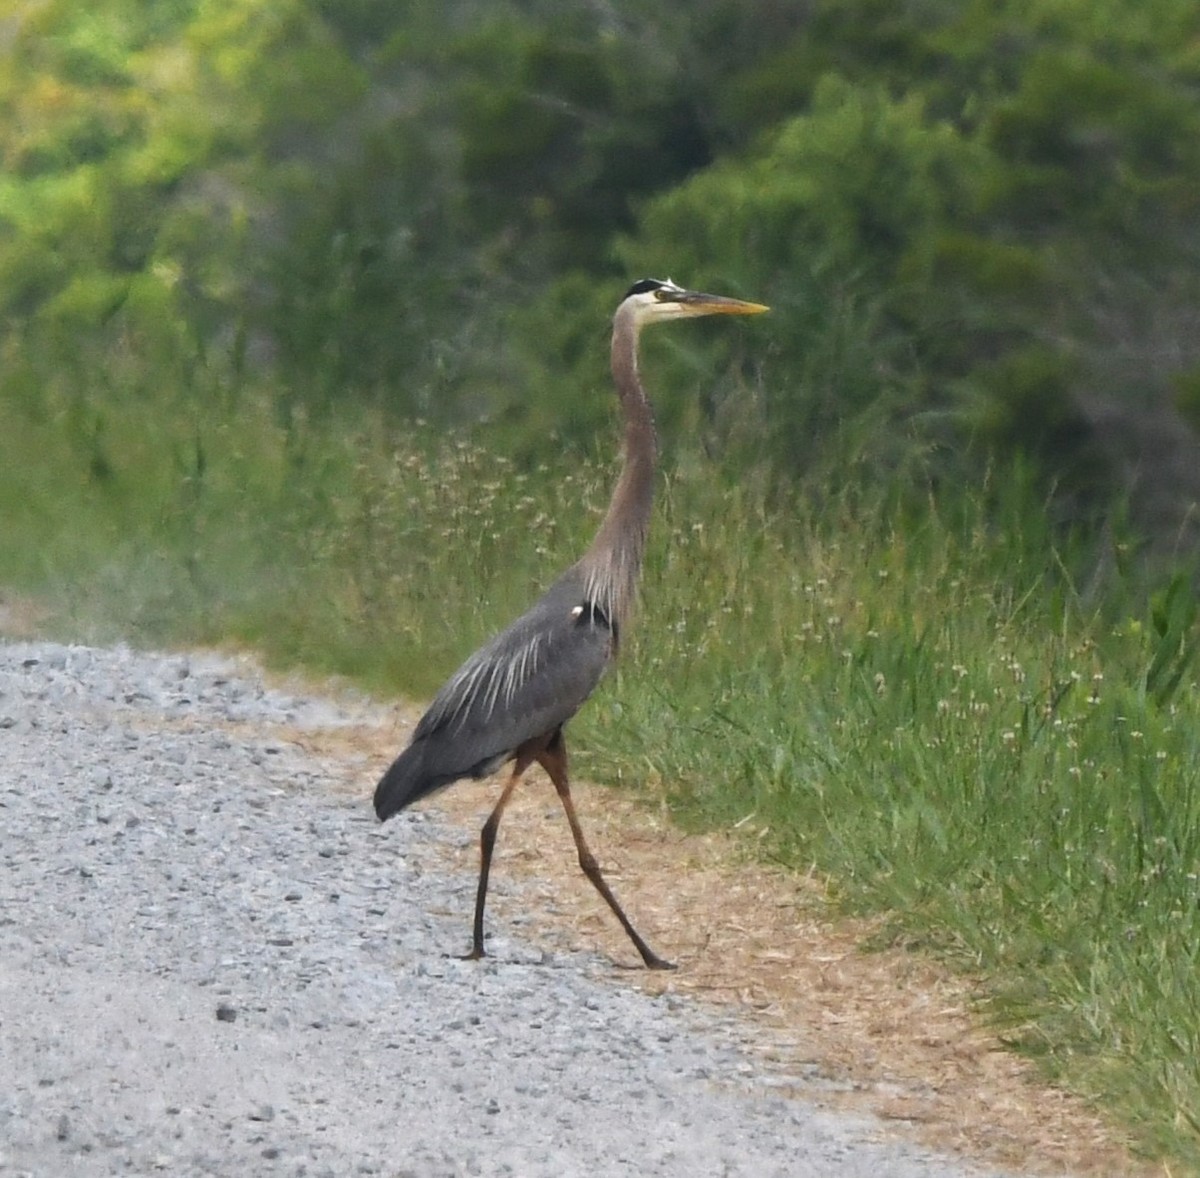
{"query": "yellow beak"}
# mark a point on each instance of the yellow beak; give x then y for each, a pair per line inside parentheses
(696, 303)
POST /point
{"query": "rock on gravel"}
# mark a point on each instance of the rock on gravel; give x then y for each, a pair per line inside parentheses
(213, 963)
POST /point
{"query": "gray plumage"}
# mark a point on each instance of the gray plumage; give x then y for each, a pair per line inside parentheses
(527, 681)
(510, 700)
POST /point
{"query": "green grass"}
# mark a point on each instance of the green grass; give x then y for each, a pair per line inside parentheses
(930, 717)
(918, 705)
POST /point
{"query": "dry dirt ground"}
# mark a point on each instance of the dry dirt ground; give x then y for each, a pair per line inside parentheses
(896, 1031)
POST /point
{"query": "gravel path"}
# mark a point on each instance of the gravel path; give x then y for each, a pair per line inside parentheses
(212, 963)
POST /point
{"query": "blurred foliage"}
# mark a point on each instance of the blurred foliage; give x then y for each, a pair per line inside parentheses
(976, 222)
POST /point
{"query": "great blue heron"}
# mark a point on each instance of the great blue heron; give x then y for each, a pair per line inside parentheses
(510, 700)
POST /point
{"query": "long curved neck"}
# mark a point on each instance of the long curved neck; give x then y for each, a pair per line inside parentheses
(613, 563)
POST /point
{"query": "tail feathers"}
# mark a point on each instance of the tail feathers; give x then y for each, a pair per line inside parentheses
(406, 781)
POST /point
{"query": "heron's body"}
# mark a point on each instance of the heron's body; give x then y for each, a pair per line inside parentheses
(526, 683)
(510, 700)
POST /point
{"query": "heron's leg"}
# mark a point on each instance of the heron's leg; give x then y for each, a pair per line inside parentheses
(487, 843)
(554, 760)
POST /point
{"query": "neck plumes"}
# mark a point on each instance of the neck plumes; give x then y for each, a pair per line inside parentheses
(613, 563)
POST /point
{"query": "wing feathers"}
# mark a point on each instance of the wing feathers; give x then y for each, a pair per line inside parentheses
(525, 683)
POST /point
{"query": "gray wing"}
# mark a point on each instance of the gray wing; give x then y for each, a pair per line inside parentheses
(530, 679)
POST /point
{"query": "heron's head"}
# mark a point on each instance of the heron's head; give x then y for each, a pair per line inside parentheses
(653, 300)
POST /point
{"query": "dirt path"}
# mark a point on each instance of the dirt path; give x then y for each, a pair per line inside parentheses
(893, 1032)
(214, 962)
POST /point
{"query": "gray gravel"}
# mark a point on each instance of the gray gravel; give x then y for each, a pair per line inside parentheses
(212, 962)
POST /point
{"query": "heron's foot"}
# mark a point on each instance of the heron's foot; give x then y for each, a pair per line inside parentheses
(656, 962)
(651, 961)
(476, 954)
